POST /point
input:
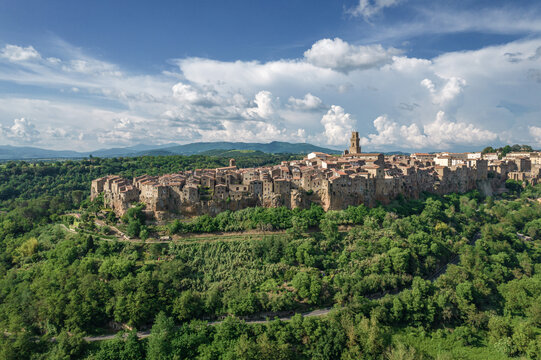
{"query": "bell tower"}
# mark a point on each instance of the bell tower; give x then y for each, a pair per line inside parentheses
(354, 147)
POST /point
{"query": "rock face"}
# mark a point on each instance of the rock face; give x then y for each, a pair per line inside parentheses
(330, 181)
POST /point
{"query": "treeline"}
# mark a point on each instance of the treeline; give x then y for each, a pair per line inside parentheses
(504, 150)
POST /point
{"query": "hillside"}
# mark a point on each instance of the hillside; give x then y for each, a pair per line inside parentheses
(439, 277)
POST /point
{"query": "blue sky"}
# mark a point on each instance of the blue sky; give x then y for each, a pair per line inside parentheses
(408, 75)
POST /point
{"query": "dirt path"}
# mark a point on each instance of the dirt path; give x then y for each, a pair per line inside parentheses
(117, 232)
(146, 333)
(196, 237)
(67, 228)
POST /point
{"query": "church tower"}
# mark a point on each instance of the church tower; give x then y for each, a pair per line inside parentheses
(354, 147)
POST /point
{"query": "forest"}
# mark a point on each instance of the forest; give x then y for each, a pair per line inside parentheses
(452, 277)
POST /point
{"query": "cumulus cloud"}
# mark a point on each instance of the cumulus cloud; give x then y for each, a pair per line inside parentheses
(308, 103)
(16, 53)
(338, 125)
(448, 92)
(264, 106)
(338, 55)
(63, 134)
(392, 133)
(57, 132)
(22, 130)
(407, 64)
(439, 134)
(445, 132)
(187, 93)
(369, 8)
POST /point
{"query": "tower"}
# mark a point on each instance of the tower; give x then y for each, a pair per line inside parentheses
(232, 162)
(354, 147)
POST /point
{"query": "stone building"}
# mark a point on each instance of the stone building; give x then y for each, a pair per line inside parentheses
(334, 182)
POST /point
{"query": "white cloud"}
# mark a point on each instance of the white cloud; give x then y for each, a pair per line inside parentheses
(54, 61)
(264, 108)
(63, 134)
(92, 67)
(448, 92)
(391, 133)
(535, 132)
(22, 131)
(308, 103)
(338, 55)
(187, 93)
(338, 125)
(443, 132)
(369, 8)
(124, 123)
(407, 64)
(439, 134)
(441, 17)
(16, 53)
(252, 76)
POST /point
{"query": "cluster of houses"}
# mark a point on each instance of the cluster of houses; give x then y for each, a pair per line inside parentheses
(334, 182)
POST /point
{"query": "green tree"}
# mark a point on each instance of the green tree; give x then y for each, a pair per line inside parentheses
(161, 335)
(189, 305)
(329, 228)
(133, 348)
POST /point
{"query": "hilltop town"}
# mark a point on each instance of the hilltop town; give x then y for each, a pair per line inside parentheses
(334, 182)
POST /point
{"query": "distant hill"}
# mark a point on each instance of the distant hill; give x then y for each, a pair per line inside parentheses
(274, 147)
(232, 153)
(208, 148)
(26, 152)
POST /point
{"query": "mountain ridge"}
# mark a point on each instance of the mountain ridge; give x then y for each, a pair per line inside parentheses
(8, 152)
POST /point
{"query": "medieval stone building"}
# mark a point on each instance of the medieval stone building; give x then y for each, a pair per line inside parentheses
(334, 182)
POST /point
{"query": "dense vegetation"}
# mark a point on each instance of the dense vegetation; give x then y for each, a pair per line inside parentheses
(377, 267)
(504, 150)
